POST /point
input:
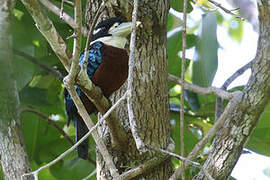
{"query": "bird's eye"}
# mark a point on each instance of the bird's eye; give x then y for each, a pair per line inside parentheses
(116, 24)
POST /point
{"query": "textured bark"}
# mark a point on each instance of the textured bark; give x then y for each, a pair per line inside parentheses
(230, 140)
(151, 95)
(14, 160)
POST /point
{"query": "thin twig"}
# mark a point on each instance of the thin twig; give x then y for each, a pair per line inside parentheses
(61, 10)
(181, 158)
(69, 2)
(36, 61)
(203, 7)
(201, 90)
(72, 36)
(229, 108)
(132, 119)
(150, 164)
(217, 125)
(49, 120)
(99, 142)
(219, 100)
(74, 69)
(46, 27)
(236, 75)
(182, 98)
(225, 10)
(92, 130)
(142, 168)
(118, 134)
(90, 33)
(61, 156)
(90, 175)
(68, 19)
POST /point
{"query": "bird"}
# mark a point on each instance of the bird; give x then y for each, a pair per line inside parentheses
(107, 67)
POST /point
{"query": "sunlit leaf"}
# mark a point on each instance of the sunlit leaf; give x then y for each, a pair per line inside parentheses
(236, 29)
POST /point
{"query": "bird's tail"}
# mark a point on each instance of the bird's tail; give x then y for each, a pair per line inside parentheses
(81, 130)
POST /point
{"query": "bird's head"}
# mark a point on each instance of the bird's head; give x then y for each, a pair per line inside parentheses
(113, 31)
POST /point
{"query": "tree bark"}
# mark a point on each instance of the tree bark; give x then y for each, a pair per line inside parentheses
(151, 103)
(14, 160)
(230, 140)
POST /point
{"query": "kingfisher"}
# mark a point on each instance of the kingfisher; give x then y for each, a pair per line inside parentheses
(107, 67)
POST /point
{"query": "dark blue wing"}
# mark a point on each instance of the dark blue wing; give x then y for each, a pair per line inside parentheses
(94, 58)
(93, 62)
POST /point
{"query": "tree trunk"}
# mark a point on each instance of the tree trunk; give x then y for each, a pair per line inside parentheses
(14, 160)
(151, 103)
(230, 140)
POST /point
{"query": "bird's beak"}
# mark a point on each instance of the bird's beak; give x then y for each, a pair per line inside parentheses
(124, 29)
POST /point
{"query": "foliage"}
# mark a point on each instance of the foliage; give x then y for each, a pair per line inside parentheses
(43, 92)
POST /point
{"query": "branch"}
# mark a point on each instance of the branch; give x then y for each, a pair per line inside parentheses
(225, 10)
(237, 96)
(99, 142)
(74, 70)
(235, 75)
(62, 9)
(183, 159)
(58, 45)
(150, 164)
(90, 33)
(201, 90)
(50, 121)
(182, 97)
(90, 175)
(68, 19)
(48, 30)
(142, 168)
(92, 131)
(132, 119)
(118, 134)
(229, 108)
(219, 101)
(203, 7)
(36, 61)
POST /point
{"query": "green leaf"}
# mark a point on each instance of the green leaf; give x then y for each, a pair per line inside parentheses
(43, 141)
(170, 23)
(23, 69)
(72, 168)
(190, 138)
(178, 5)
(260, 138)
(236, 29)
(174, 47)
(205, 60)
(207, 107)
(34, 96)
(192, 100)
(45, 174)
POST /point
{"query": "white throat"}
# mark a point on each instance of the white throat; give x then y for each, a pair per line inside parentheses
(115, 41)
